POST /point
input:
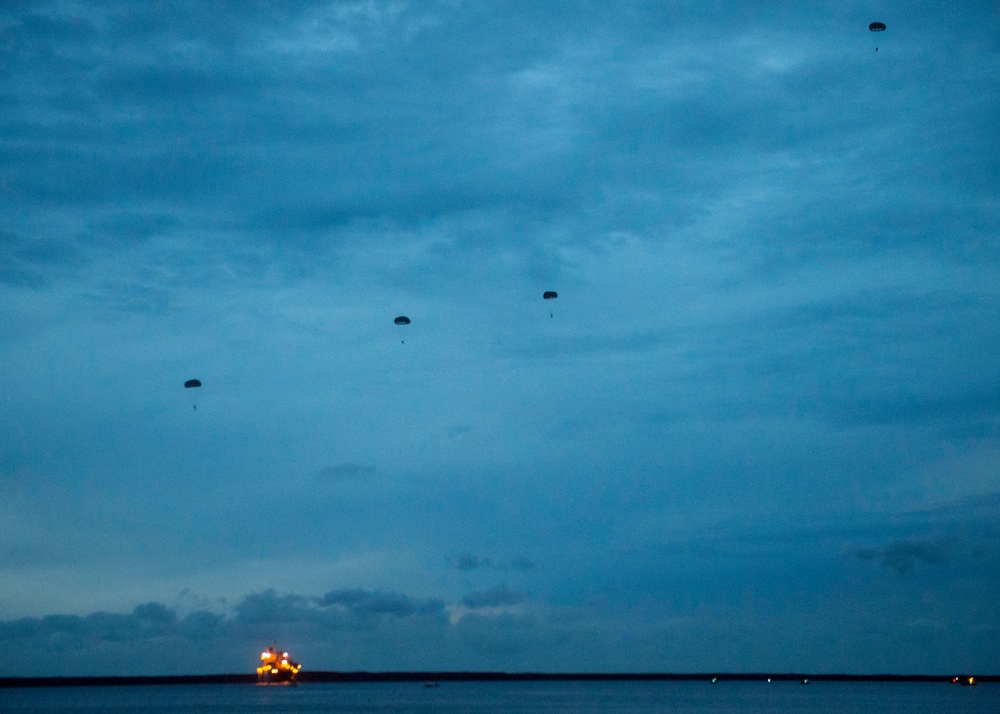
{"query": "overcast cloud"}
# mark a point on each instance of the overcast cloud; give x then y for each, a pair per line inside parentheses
(763, 409)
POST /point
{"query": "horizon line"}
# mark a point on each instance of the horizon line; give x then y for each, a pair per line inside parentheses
(478, 676)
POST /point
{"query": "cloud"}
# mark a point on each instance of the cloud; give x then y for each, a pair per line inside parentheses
(521, 565)
(155, 612)
(201, 624)
(776, 254)
(126, 228)
(26, 261)
(365, 602)
(381, 630)
(146, 621)
(498, 602)
(495, 629)
(92, 644)
(21, 277)
(904, 556)
(496, 597)
(269, 607)
(467, 562)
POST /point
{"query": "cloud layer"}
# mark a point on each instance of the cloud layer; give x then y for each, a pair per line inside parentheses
(765, 401)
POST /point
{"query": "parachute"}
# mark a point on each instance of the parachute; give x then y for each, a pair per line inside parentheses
(402, 320)
(190, 384)
(550, 295)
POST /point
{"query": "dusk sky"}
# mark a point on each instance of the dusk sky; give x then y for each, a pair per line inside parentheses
(760, 430)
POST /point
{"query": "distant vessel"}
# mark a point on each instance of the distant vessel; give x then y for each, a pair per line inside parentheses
(276, 667)
(965, 681)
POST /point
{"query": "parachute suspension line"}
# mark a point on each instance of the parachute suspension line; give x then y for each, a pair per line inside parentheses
(550, 295)
(876, 27)
(402, 320)
(193, 384)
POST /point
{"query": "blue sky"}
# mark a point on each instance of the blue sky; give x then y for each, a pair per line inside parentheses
(759, 431)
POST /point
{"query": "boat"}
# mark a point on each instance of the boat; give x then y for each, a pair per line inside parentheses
(276, 667)
(965, 681)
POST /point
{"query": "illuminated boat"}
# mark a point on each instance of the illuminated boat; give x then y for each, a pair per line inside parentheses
(965, 681)
(276, 667)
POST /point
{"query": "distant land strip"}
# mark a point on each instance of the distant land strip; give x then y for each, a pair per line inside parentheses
(346, 677)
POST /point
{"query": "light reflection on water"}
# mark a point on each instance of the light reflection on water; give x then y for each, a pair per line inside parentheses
(509, 698)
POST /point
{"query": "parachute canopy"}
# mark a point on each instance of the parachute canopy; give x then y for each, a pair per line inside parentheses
(877, 27)
(550, 295)
(402, 320)
(192, 383)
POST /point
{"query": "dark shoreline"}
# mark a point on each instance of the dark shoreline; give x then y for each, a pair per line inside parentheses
(346, 677)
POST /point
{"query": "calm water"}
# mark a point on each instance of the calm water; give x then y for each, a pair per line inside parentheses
(510, 698)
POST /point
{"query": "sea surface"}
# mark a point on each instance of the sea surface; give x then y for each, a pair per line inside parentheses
(509, 698)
